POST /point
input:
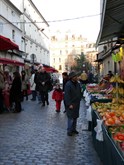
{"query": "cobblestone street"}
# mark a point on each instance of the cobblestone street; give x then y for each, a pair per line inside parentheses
(38, 136)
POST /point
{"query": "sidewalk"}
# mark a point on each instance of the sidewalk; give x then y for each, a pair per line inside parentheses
(38, 136)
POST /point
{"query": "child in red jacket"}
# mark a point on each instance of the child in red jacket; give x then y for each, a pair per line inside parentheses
(58, 97)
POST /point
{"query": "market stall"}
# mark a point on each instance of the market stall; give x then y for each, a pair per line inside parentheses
(106, 119)
(107, 149)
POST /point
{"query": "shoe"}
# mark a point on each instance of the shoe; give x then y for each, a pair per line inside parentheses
(64, 111)
(75, 132)
(47, 102)
(57, 110)
(43, 105)
(33, 100)
(69, 133)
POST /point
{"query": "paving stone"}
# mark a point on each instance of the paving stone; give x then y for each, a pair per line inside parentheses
(38, 136)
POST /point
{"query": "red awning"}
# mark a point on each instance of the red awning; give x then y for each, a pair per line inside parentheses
(7, 44)
(9, 61)
(48, 68)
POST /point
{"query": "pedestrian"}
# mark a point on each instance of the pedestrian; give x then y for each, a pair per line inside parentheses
(84, 78)
(15, 92)
(72, 99)
(43, 81)
(33, 86)
(37, 85)
(65, 79)
(2, 84)
(25, 83)
(110, 74)
(90, 77)
(6, 90)
(57, 95)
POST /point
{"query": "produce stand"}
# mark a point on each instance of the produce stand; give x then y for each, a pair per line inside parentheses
(105, 115)
(107, 149)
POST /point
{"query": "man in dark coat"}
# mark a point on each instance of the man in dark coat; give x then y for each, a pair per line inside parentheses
(43, 82)
(65, 79)
(72, 99)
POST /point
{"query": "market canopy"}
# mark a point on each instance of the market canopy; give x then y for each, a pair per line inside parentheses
(48, 68)
(9, 61)
(112, 20)
(7, 44)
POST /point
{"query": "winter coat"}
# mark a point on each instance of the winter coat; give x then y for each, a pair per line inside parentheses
(25, 83)
(43, 77)
(32, 83)
(57, 95)
(72, 96)
(15, 91)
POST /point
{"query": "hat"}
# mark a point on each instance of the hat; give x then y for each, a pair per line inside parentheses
(73, 74)
(64, 73)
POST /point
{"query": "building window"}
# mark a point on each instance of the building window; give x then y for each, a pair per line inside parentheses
(12, 13)
(53, 38)
(13, 34)
(60, 67)
(66, 37)
(59, 59)
(54, 60)
(60, 51)
(73, 37)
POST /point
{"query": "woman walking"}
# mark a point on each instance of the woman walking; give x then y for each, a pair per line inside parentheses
(15, 92)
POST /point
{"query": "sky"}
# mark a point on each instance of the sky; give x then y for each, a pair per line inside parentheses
(87, 13)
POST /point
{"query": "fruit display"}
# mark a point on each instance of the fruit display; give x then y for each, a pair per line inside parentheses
(112, 115)
(117, 133)
(93, 88)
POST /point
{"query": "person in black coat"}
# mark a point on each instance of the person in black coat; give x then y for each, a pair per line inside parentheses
(65, 80)
(72, 99)
(15, 92)
(43, 83)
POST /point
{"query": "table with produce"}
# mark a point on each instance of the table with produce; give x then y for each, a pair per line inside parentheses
(107, 125)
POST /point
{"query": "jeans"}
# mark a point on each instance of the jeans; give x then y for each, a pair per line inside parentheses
(38, 96)
(72, 122)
